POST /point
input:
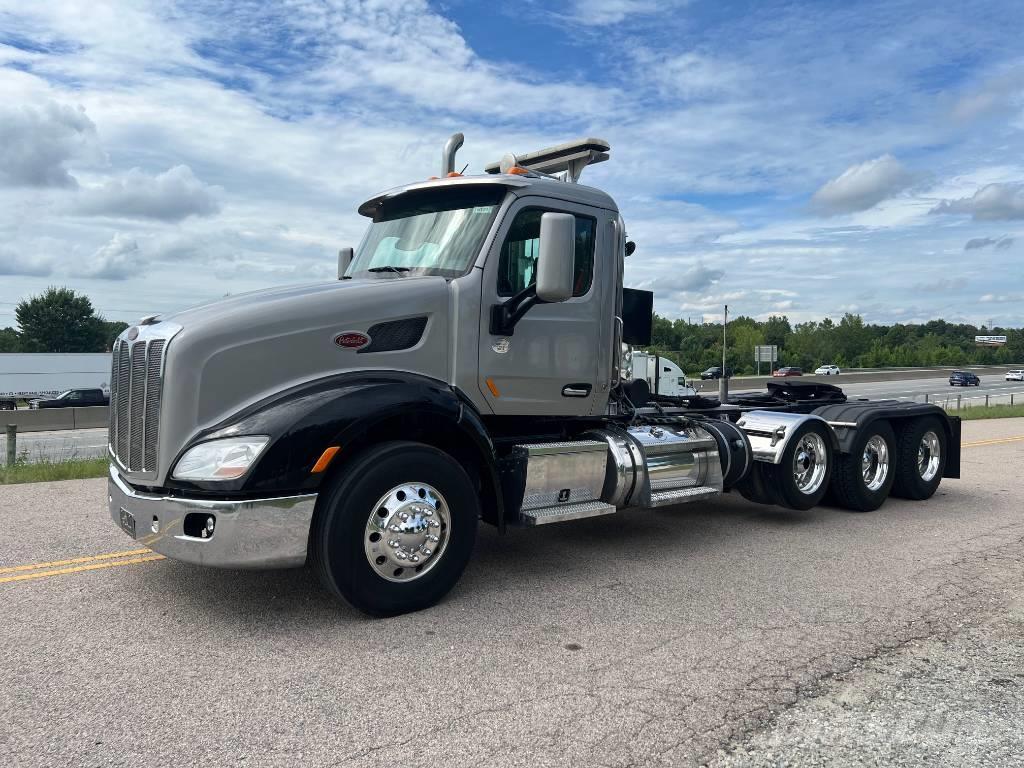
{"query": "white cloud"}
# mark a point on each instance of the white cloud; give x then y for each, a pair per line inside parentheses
(694, 279)
(13, 263)
(1000, 95)
(993, 202)
(173, 195)
(604, 12)
(118, 259)
(863, 186)
(38, 141)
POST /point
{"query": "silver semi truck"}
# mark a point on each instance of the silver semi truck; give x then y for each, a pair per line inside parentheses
(468, 365)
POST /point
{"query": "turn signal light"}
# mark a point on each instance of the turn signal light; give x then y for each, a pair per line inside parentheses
(325, 459)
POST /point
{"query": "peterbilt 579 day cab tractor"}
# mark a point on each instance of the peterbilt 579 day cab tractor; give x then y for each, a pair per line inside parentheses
(468, 365)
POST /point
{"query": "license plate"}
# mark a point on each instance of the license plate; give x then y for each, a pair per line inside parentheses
(128, 522)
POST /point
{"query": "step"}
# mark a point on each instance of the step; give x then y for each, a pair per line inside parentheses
(683, 495)
(557, 514)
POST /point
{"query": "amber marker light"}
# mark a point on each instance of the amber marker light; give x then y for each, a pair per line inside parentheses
(325, 459)
(492, 387)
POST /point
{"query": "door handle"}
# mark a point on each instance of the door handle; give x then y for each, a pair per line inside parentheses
(576, 390)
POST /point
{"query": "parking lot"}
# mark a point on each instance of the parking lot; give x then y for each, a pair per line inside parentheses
(641, 638)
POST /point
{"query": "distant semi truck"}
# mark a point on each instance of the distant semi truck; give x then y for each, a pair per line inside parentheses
(662, 375)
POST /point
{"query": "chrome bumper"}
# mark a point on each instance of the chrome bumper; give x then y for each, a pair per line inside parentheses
(255, 533)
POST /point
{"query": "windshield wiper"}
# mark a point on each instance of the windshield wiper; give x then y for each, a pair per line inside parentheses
(388, 268)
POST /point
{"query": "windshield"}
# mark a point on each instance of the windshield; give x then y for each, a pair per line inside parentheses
(427, 232)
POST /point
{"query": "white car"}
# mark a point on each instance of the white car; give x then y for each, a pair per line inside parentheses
(827, 370)
(1017, 375)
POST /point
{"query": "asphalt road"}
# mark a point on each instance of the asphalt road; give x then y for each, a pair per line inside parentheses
(642, 638)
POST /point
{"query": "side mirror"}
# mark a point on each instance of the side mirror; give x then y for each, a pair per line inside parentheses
(555, 261)
(345, 256)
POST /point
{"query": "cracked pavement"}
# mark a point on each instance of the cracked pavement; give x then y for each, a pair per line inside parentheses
(662, 637)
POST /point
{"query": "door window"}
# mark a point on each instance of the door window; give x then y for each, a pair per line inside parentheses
(517, 267)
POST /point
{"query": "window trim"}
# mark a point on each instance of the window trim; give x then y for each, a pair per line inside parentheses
(548, 209)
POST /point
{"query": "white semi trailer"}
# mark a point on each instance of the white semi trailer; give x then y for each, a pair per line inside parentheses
(28, 375)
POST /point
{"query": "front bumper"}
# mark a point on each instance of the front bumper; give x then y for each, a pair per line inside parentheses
(249, 533)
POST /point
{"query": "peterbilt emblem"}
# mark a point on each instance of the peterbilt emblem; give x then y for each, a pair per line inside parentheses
(133, 333)
(352, 339)
(501, 346)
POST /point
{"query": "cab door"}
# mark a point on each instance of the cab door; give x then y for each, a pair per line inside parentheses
(551, 363)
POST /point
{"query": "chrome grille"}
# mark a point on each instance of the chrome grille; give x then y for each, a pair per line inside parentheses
(135, 395)
(152, 414)
(121, 409)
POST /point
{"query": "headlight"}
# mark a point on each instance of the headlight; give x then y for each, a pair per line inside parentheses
(226, 459)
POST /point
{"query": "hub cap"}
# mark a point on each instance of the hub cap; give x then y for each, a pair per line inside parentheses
(809, 463)
(407, 532)
(875, 463)
(928, 454)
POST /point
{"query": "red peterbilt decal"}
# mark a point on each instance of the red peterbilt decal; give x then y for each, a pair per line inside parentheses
(352, 340)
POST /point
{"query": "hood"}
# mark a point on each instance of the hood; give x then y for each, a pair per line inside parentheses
(243, 349)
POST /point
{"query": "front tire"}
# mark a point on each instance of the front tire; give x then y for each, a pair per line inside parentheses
(920, 459)
(863, 478)
(395, 529)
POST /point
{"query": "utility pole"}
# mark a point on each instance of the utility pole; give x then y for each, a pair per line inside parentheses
(723, 383)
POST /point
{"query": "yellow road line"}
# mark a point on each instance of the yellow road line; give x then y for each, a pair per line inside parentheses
(993, 441)
(79, 568)
(74, 561)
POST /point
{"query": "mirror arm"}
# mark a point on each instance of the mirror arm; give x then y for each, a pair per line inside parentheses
(504, 317)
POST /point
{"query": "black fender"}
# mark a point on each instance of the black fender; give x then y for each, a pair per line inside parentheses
(350, 410)
(847, 418)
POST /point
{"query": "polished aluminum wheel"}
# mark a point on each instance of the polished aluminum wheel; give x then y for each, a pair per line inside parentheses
(407, 531)
(810, 462)
(929, 453)
(875, 463)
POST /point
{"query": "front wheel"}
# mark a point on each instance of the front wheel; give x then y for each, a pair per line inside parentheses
(394, 531)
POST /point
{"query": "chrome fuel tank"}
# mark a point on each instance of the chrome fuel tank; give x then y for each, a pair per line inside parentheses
(656, 465)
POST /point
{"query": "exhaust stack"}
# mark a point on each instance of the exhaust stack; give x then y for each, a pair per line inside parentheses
(448, 155)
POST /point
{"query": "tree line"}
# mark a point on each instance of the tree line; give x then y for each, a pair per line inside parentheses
(59, 320)
(850, 343)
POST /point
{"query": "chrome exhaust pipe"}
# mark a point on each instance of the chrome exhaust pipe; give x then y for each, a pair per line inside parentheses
(448, 155)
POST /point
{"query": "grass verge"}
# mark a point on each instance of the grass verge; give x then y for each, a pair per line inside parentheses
(992, 412)
(45, 471)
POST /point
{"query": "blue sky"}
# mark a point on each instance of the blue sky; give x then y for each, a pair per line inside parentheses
(805, 159)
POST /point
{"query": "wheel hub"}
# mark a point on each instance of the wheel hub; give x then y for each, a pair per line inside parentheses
(875, 463)
(407, 531)
(928, 455)
(809, 463)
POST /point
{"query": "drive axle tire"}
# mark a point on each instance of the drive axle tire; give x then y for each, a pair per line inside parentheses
(920, 458)
(393, 531)
(863, 478)
(801, 478)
